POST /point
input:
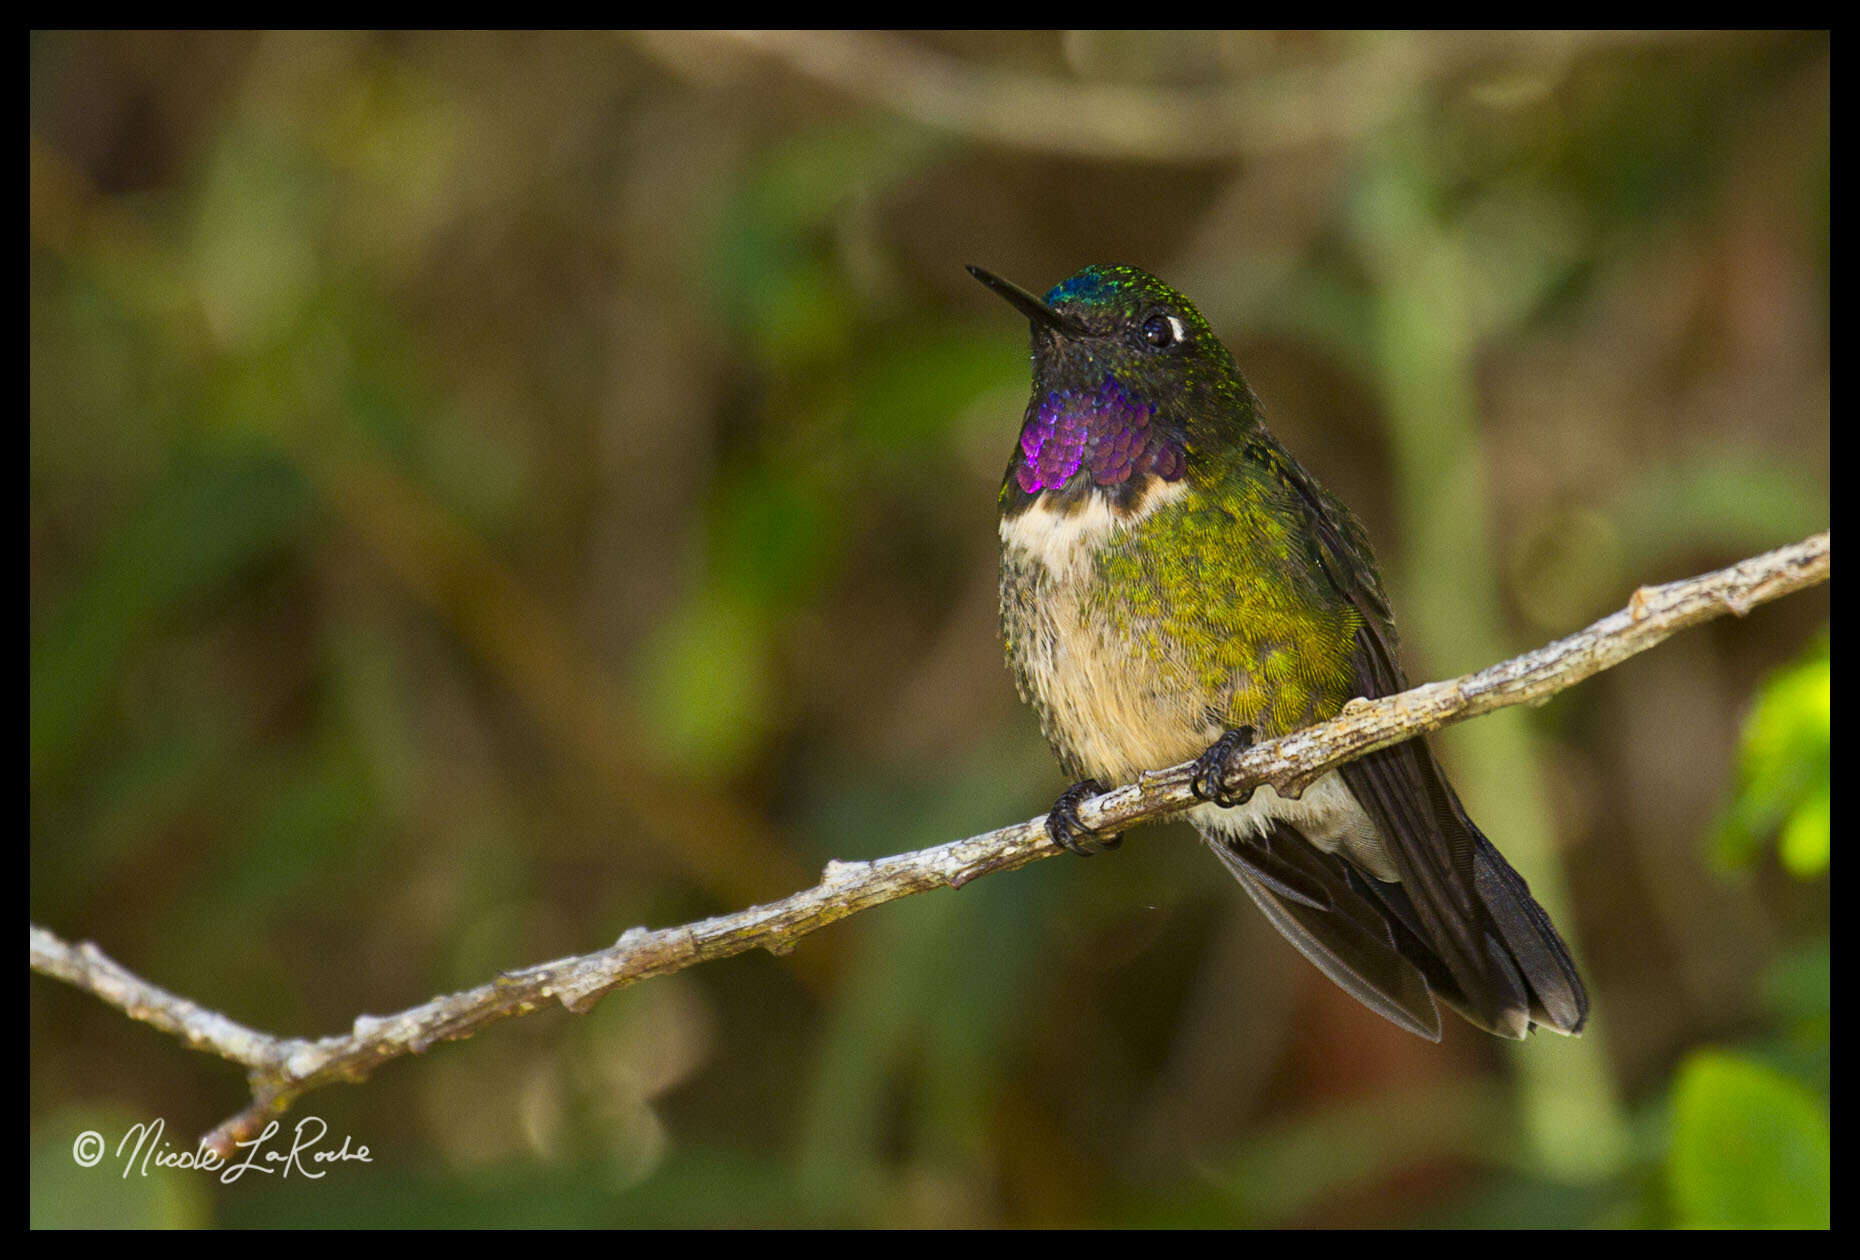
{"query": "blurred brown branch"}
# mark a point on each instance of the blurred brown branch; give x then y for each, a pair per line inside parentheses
(283, 1069)
(1153, 122)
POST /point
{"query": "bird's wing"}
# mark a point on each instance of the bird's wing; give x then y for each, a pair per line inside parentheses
(1493, 951)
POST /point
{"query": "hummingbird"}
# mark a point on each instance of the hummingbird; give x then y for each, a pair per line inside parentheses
(1175, 586)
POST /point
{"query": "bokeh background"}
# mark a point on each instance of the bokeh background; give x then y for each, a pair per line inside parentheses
(488, 491)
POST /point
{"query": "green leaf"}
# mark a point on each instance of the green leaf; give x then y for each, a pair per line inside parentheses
(1751, 1148)
(1785, 787)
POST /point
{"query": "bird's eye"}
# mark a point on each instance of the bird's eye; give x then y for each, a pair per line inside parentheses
(1162, 330)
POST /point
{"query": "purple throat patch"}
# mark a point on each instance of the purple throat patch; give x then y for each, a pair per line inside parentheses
(1104, 433)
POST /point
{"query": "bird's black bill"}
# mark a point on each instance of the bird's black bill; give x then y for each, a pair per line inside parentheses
(1035, 309)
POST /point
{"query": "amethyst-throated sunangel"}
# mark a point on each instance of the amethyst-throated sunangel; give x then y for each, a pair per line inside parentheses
(1173, 586)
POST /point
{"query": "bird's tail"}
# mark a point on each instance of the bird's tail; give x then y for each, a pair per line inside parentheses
(1557, 999)
(1366, 935)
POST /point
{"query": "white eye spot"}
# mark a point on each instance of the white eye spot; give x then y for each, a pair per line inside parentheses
(1175, 326)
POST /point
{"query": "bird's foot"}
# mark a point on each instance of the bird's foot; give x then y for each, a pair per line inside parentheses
(1210, 777)
(1063, 824)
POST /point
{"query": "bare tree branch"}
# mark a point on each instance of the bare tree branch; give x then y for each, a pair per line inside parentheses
(283, 1069)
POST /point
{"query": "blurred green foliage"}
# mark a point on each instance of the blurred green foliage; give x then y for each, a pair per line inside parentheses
(1785, 783)
(489, 490)
(1751, 1148)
